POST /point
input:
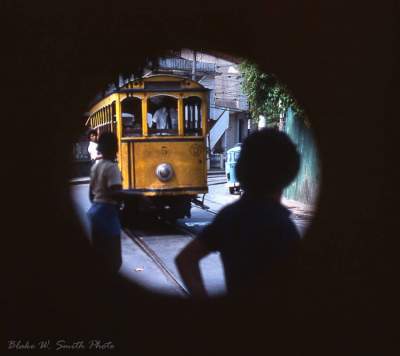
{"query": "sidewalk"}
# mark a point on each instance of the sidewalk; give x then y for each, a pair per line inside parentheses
(216, 172)
(79, 180)
(301, 210)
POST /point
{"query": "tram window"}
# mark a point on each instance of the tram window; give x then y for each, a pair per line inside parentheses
(192, 116)
(162, 118)
(114, 122)
(131, 117)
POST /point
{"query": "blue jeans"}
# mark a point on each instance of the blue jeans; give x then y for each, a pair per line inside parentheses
(106, 234)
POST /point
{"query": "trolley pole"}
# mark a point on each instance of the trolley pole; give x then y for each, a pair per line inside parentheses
(194, 66)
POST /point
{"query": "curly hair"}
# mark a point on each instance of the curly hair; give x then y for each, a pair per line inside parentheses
(91, 132)
(108, 144)
(268, 161)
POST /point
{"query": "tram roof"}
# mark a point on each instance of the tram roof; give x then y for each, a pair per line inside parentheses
(157, 83)
(162, 82)
(172, 77)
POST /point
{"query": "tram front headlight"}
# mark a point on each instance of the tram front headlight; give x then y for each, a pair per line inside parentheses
(164, 172)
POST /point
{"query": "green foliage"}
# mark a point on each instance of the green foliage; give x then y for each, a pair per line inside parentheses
(266, 94)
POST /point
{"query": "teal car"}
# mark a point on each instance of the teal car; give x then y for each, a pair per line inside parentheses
(232, 156)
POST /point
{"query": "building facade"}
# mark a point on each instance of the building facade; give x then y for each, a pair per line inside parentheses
(228, 104)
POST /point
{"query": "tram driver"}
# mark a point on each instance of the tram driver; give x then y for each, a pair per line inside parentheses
(173, 118)
(160, 118)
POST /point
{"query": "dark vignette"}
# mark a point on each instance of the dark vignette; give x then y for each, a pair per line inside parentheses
(339, 60)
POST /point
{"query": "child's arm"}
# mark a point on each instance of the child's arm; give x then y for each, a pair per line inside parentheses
(188, 266)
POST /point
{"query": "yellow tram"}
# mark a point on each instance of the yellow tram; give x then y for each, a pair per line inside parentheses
(161, 124)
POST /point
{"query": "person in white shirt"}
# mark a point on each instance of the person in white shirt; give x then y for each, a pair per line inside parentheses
(149, 120)
(92, 148)
(174, 118)
(105, 193)
(160, 118)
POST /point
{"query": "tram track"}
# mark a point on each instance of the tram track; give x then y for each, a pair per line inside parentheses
(146, 235)
(139, 240)
(202, 206)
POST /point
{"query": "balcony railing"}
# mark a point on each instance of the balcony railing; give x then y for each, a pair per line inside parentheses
(185, 65)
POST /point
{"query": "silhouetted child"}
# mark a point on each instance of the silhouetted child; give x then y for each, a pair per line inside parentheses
(255, 232)
(104, 193)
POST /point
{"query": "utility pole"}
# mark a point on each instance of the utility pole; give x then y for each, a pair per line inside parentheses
(194, 66)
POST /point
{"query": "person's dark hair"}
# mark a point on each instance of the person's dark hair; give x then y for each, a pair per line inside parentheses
(91, 132)
(108, 145)
(268, 161)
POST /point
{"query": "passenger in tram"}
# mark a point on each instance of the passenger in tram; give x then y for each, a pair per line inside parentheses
(128, 119)
(149, 120)
(137, 122)
(131, 124)
(254, 235)
(160, 118)
(105, 194)
(173, 115)
(127, 123)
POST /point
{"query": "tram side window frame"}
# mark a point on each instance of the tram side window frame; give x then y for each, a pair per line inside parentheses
(131, 107)
(156, 103)
(192, 116)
